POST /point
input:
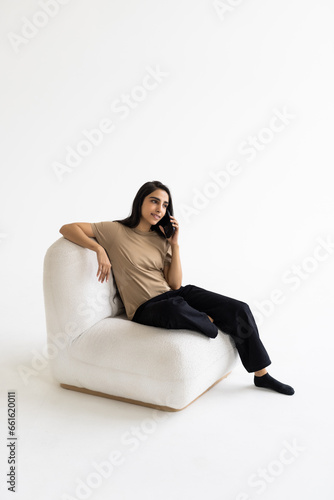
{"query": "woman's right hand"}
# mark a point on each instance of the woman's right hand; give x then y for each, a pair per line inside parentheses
(103, 271)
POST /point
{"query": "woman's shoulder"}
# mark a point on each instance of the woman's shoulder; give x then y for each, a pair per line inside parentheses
(106, 227)
(106, 224)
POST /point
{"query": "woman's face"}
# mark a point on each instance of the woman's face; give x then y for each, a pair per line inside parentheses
(154, 206)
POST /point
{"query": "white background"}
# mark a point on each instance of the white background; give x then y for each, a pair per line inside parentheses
(226, 75)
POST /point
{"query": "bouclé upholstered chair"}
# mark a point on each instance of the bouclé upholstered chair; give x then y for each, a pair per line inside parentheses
(100, 351)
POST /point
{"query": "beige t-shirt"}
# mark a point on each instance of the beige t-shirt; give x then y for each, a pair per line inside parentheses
(137, 259)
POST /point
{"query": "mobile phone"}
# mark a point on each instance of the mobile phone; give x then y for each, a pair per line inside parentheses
(167, 225)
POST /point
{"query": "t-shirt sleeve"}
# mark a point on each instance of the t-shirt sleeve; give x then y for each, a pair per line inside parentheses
(168, 257)
(105, 233)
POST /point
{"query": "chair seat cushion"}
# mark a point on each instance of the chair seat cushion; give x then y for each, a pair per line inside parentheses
(162, 367)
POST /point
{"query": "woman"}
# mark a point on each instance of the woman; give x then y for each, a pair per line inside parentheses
(147, 270)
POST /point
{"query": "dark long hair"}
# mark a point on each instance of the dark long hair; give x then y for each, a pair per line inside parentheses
(134, 218)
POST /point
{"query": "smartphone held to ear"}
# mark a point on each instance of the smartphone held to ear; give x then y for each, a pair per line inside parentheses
(167, 225)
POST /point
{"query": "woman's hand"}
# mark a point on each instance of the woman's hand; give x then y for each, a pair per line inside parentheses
(173, 240)
(103, 271)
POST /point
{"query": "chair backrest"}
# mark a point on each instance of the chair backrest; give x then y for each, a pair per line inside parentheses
(74, 299)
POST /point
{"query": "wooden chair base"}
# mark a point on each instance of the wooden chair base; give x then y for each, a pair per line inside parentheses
(134, 401)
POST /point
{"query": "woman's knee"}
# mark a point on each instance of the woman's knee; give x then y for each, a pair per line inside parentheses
(242, 306)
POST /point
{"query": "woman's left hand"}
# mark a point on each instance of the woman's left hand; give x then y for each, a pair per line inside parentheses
(173, 240)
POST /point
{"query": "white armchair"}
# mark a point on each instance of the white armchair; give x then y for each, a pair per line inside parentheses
(97, 350)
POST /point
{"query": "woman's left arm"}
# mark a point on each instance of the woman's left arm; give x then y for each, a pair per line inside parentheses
(173, 272)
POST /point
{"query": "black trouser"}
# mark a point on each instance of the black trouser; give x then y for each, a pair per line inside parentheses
(189, 307)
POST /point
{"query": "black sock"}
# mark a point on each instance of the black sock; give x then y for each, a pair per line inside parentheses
(271, 383)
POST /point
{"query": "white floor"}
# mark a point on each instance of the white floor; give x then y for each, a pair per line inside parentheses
(236, 442)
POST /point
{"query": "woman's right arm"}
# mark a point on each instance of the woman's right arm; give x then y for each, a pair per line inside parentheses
(81, 234)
